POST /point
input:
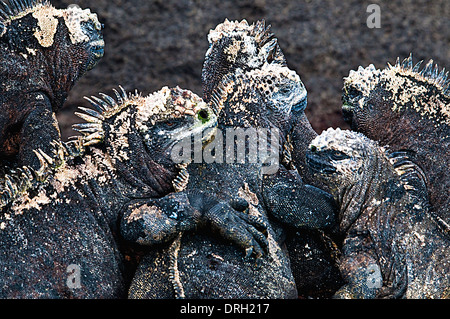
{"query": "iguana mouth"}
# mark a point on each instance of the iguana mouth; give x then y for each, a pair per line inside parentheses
(96, 43)
(316, 163)
(347, 112)
(97, 50)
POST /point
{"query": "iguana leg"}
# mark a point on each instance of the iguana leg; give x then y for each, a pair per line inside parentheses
(360, 269)
(40, 128)
(232, 222)
(298, 205)
(155, 221)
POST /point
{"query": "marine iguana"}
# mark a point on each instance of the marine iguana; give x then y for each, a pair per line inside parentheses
(237, 47)
(393, 247)
(71, 221)
(196, 264)
(43, 52)
(406, 108)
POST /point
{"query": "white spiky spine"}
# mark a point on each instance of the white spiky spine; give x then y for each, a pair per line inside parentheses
(397, 79)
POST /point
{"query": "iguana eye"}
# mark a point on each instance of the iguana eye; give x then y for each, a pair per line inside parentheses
(203, 116)
(353, 93)
(338, 156)
(169, 124)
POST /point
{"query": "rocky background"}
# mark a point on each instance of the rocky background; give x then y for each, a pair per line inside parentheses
(150, 44)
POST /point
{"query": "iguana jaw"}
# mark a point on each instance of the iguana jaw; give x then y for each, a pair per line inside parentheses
(96, 47)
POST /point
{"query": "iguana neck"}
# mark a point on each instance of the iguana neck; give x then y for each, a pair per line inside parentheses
(302, 134)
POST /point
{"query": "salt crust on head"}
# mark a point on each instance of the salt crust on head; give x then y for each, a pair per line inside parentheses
(409, 87)
(47, 22)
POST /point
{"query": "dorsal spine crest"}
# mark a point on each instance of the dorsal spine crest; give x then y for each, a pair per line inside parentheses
(104, 108)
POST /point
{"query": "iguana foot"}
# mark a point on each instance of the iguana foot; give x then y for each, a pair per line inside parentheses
(155, 221)
(244, 230)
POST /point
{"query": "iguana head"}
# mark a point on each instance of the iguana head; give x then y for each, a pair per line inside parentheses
(259, 98)
(258, 103)
(345, 161)
(142, 132)
(360, 173)
(237, 46)
(340, 158)
(54, 40)
(385, 103)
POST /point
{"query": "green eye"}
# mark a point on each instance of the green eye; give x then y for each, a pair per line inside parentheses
(203, 116)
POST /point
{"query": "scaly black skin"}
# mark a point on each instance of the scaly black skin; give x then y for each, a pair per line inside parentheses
(309, 216)
(73, 218)
(237, 47)
(41, 60)
(408, 109)
(393, 247)
(198, 265)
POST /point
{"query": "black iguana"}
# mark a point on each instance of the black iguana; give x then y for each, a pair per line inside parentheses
(393, 247)
(237, 47)
(43, 52)
(406, 107)
(253, 114)
(59, 239)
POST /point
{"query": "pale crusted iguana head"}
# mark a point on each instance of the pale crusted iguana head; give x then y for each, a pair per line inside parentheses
(64, 43)
(360, 173)
(235, 46)
(142, 131)
(258, 101)
(341, 157)
(389, 102)
(259, 98)
(30, 26)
